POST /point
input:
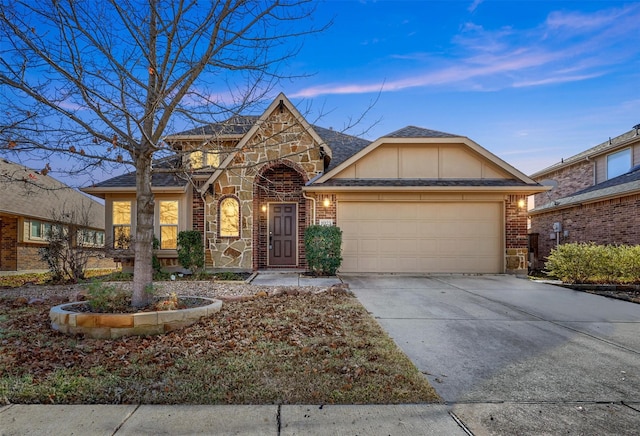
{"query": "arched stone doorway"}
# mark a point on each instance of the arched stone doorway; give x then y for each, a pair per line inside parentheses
(279, 216)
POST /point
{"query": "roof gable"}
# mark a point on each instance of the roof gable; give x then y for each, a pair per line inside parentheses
(281, 102)
(417, 153)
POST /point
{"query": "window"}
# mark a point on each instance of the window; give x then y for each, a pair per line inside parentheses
(202, 159)
(618, 163)
(36, 230)
(121, 224)
(229, 217)
(168, 224)
(88, 238)
(41, 231)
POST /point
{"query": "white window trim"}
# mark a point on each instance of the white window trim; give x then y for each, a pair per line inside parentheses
(624, 150)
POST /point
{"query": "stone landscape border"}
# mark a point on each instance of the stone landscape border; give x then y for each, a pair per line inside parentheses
(116, 325)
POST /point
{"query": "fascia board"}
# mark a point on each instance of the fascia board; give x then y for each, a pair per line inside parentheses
(359, 155)
(509, 189)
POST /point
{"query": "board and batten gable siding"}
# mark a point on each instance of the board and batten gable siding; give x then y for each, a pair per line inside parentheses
(424, 161)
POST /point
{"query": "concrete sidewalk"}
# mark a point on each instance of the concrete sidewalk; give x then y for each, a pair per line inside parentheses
(121, 420)
(292, 278)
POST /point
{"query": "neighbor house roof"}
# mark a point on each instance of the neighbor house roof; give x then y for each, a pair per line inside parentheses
(606, 147)
(29, 193)
(626, 184)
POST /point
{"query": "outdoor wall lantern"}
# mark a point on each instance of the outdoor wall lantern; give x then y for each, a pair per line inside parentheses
(264, 208)
(521, 203)
(326, 202)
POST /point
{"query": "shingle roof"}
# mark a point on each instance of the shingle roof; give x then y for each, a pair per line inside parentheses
(618, 186)
(342, 146)
(29, 193)
(158, 180)
(419, 132)
(593, 151)
(425, 183)
(237, 125)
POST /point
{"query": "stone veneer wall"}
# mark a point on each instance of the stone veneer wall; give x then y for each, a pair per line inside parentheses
(280, 140)
(618, 223)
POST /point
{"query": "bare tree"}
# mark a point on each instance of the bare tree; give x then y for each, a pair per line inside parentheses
(104, 81)
(71, 242)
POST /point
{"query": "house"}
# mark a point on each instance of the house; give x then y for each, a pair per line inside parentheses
(31, 205)
(595, 197)
(415, 200)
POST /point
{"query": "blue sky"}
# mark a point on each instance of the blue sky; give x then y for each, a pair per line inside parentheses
(531, 81)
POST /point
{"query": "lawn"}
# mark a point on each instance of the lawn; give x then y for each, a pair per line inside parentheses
(290, 349)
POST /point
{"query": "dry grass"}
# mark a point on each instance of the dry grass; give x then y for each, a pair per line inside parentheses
(290, 349)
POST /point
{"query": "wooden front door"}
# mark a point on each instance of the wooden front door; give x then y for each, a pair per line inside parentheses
(283, 234)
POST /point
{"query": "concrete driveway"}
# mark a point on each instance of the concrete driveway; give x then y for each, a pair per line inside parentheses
(513, 356)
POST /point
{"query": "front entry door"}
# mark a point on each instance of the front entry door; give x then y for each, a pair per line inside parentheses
(283, 234)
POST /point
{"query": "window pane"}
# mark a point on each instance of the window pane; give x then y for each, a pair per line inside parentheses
(36, 229)
(121, 236)
(213, 159)
(169, 237)
(618, 163)
(197, 158)
(47, 231)
(229, 217)
(168, 212)
(121, 212)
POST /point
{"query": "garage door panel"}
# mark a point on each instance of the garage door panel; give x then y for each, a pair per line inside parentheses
(421, 237)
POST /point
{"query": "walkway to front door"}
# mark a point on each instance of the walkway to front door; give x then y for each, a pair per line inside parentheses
(283, 231)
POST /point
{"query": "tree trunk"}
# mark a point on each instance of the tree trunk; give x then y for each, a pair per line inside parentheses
(143, 240)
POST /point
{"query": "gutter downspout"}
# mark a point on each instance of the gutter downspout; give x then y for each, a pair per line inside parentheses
(304, 195)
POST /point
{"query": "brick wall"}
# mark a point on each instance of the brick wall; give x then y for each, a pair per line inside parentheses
(325, 212)
(570, 180)
(516, 239)
(618, 222)
(8, 244)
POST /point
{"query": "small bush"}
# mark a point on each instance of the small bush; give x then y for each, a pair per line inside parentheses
(322, 247)
(107, 298)
(591, 263)
(190, 250)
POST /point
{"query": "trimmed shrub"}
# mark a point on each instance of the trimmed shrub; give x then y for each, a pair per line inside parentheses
(323, 249)
(591, 263)
(190, 250)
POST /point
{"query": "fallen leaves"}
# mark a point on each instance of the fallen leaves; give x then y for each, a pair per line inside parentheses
(301, 349)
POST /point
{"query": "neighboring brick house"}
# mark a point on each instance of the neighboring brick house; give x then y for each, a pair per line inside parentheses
(415, 200)
(30, 204)
(595, 197)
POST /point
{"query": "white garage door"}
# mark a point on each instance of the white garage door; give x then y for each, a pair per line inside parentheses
(421, 237)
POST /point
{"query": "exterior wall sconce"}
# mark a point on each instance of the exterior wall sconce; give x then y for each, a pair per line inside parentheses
(326, 202)
(264, 208)
(521, 203)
